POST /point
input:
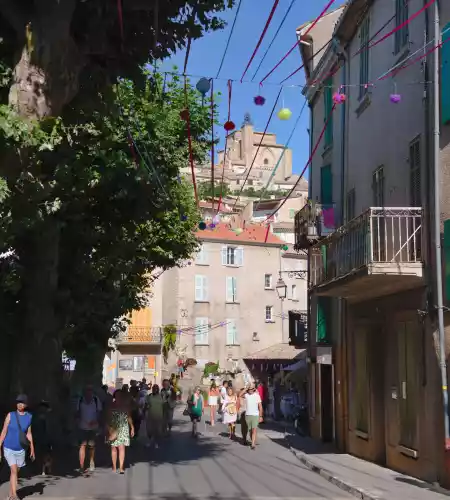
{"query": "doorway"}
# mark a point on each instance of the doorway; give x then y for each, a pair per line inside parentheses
(326, 398)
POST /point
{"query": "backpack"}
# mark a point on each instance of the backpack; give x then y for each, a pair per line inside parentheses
(81, 400)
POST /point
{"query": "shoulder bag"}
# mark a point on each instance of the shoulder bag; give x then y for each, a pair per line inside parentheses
(23, 440)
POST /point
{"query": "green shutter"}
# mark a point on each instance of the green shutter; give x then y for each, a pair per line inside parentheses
(323, 319)
(326, 185)
(445, 76)
(447, 258)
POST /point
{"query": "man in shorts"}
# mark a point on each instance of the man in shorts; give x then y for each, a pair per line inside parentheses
(253, 411)
(88, 416)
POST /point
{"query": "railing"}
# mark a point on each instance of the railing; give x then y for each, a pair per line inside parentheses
(379, 235)
(140, 334)
(312, 222)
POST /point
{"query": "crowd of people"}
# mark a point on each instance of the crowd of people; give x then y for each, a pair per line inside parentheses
(118, 418)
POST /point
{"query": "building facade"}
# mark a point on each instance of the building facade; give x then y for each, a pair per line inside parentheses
(373, 340)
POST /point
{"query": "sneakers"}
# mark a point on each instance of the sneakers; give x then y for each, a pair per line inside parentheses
(92, 467)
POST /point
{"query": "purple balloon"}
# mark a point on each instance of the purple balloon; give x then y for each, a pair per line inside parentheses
(396, 98)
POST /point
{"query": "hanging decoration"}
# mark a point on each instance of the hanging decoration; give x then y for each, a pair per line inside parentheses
(212, 226)
(259, 100)
(184, 115)
(216, 219)
(339, 97)
(212, 144)
(202, 225)
(203, 86)
(285, 248)
(284, 114)
(395, 97)
(229, 126)
(238, 231)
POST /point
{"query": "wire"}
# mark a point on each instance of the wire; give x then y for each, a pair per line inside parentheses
(259, 146)
(230, 91)
(274, 38)
(261, 38)
(297, 42)
(212, 143)
(229, 38)
(274, 171)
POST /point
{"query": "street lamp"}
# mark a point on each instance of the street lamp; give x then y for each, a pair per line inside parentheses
(281, 288)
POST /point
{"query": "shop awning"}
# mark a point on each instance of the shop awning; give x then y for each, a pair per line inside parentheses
(295, 366)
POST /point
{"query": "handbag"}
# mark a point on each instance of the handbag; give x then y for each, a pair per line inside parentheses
(23, 440)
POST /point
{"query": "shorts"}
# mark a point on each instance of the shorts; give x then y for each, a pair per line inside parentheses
(195, 418)
(15, 457)
(87, 438)
(252, 421)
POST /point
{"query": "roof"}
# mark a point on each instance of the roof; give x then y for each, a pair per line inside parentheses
(308, 23)
(253, 234)
(278, 351)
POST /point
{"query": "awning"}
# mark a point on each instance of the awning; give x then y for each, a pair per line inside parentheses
(277, 352)
(295, 366)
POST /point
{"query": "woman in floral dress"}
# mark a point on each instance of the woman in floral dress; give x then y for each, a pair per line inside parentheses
(120, 426)
(230, 411)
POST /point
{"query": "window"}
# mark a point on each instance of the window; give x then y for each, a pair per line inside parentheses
(266, 161)
(241, 153)
(267, 281)
(201, 288)
(408, 380)
(401, 15)
(250, 182)
(201, 331)
(202, 256)
(291, 213)
(125, 364)
(326, 185)
(364, 38)
(269, 313)
(445, 76)
(328, 106)
(231, 290)
(232, 256)
(298, 328)
(232, 334)
(378, 187)
(415, 173)
(138, 363)
(350, 206)
(361, 380)
(294, 292)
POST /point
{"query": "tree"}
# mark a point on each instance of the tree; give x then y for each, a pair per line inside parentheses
(57, 58)
(220, 189)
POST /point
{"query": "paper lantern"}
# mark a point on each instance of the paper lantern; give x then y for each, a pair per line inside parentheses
(238, 231)
(229, 126)
(339, 98)
(285, 247)
(184, 114)
(216, 219)
(203, 86)
(184, 217)
(259, 100)
(284, 114)
(212, 226)
(395, 98)
(202, 226)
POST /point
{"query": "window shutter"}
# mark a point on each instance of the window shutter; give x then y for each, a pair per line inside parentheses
(231, 332)
(326, 185)
(445, 75)
(198, 287)
(240, 256)
(229, 290)
(204, 288)
(201, 331)
(224, 256)
(234, 289)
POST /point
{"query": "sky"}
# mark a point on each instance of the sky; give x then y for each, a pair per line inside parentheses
(206, 54)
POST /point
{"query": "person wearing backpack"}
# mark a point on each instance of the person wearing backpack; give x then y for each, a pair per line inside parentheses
(17, 439)
(89, 409)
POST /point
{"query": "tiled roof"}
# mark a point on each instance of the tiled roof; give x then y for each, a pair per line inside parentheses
(253, 233)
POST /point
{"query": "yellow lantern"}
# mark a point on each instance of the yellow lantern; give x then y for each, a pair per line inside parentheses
(284, 114)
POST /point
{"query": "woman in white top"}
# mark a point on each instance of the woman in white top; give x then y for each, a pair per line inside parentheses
(230, 411)
(213, 401)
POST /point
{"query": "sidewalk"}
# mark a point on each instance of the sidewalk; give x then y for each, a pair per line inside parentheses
(362, 479)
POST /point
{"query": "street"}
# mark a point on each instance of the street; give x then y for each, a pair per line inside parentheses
(211, 467)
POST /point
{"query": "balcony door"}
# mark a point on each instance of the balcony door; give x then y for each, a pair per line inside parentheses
(378, 220)
(141, 322)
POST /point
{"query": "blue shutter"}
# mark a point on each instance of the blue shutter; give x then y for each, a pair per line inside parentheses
(445, 76)
(326, 185)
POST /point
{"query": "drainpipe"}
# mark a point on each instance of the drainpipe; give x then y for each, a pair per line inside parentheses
(437, 224)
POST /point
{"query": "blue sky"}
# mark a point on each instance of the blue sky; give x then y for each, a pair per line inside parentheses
(206, 53)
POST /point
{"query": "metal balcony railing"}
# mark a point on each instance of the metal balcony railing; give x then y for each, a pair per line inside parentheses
(313, 222)
(140, 334)
(378, 235)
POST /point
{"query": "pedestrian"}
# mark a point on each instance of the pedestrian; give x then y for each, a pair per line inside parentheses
(262, 391)
(223, 393)
(135, 409)
(169, 397)
(88, 416)
(16, 439)
(120, 429)
(42, 437)
(253, 412)
(243, 422)
(230, 412)
(213, 401)
(155, 416)
(196, 408)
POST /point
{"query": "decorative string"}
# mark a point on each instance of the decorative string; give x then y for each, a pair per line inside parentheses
(263, 34)
(274, 171)
(259, 146)
(274, 38)
(120, 16)
(318, 18)
(230, 90)
(189, 135)
(212, 143)
(229, 38)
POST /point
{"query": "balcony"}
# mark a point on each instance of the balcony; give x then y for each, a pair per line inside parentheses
(140, 335)
(313, 222)
(375, 254)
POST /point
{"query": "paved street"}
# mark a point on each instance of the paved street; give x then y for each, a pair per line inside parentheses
(210, 468)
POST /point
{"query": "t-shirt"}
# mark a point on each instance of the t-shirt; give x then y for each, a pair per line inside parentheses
(12, 439)
(251, 404)
(223, 393)
(197, 406)
(89, 412)
(155, 405)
